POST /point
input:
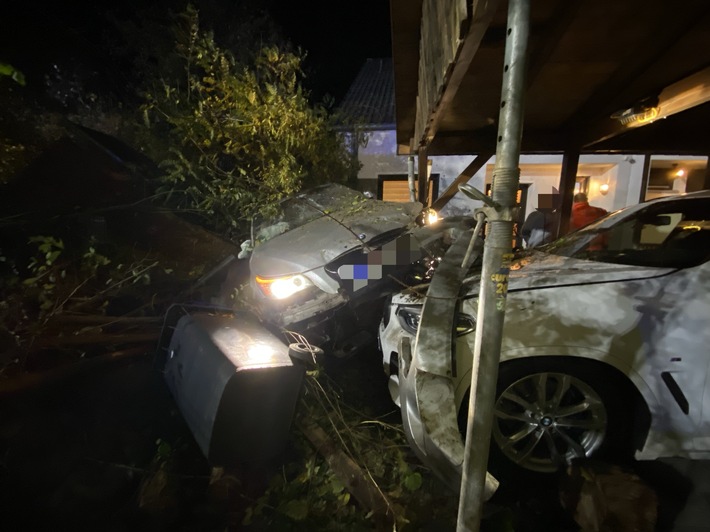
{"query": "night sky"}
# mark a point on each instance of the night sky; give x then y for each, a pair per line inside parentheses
(337, 36)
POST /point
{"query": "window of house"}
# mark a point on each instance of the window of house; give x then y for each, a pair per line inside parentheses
(395, 187)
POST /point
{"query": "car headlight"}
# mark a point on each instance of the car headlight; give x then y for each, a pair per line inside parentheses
(409, 318)
(427, 217)
(282, 287)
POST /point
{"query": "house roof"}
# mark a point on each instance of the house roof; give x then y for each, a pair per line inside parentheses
(370, 99)
(591, 64)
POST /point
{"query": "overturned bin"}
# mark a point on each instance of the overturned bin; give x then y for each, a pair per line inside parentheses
(233, 381)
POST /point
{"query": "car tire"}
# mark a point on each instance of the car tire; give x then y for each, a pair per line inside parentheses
(586, 411)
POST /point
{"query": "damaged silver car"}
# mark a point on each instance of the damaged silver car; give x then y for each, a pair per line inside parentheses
(323, 265)
(604, 351)
(319, 271)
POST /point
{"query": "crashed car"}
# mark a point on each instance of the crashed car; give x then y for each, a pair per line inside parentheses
(604, 349)
(325, 262)
(319, 271)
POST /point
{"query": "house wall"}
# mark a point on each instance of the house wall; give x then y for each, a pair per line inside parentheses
(541, 172)
(377, 158)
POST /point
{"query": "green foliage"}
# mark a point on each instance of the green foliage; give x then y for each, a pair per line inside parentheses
(56, 278)
(10, 71)
(45, 272)
(308, 494)
(305, 496)
(243, 136)
(13, 157)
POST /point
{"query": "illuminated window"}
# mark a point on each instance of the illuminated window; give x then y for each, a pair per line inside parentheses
(395, 187)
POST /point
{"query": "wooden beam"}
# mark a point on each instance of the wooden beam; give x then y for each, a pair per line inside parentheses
(680, 96)
(706, 179)
(681, 135)
(481, 17)
(463, 177)
(570, 163)
(646, 174)
(551, 35)
(423, 179)
(484, 141)
(406, 19)
(636, 63)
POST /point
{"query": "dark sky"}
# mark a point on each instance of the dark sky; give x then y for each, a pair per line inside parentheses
(338, 36)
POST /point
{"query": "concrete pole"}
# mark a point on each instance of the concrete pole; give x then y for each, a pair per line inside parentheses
(497, 254)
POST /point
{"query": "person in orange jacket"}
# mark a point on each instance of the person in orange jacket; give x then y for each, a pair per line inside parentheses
(582, 212)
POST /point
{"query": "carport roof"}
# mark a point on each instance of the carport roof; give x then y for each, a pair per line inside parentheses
(588, 60)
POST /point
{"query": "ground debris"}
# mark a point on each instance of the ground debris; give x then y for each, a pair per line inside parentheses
(372, 500)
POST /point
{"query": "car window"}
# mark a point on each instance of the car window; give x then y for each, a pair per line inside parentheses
(673, 234)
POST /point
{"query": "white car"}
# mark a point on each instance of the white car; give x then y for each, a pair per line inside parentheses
(606, 346)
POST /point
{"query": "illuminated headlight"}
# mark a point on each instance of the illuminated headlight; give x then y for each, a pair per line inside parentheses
(282, 287)
(431, 217)
(427, 217)
(409, 318)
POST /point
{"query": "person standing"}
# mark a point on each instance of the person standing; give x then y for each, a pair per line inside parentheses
(582, 212)
(540, 226)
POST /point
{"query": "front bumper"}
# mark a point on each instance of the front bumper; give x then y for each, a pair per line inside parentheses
(425, 371)
(300, 311)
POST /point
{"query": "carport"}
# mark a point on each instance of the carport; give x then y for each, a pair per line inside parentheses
(600, 76)
(603, 76)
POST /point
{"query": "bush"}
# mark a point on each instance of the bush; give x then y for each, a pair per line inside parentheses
(241, 137)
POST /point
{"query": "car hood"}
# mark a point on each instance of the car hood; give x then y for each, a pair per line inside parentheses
(322, 240)
(536, 269)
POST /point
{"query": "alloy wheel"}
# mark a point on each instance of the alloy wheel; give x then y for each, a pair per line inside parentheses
(545, 420)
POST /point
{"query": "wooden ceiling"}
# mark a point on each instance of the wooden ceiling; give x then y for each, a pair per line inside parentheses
(586, 61)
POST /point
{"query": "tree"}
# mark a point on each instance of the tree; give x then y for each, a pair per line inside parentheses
(242, 134)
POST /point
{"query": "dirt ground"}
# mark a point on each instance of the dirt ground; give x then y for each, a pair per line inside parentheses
(73, 456)
(77, 456)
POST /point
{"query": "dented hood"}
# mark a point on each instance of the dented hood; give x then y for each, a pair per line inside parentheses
(322, 240)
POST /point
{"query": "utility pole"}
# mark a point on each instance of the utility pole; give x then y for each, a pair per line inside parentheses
(497, 254)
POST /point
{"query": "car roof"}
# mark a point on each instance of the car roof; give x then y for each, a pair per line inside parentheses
(687, 195)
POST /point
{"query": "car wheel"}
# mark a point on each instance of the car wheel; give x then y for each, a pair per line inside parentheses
(550, 411)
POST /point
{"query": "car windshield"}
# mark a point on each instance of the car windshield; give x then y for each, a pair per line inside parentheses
(673, 234)
(305, 207)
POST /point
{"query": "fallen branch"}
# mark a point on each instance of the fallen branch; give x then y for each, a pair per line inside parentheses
(97, 338)
(33, 381)
(94, 319)
(359, 484)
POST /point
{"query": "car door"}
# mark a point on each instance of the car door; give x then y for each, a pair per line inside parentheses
(676, 312)
(638, 298)
(676, 316)
(699, 313)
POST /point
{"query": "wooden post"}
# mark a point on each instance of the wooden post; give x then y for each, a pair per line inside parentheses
(568, 178)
